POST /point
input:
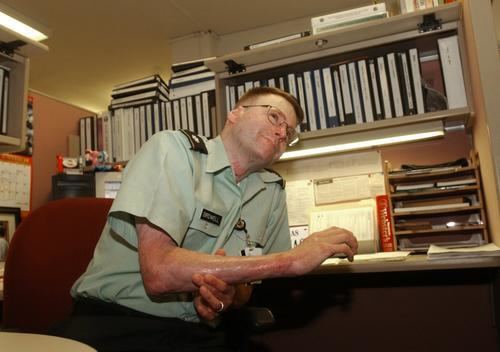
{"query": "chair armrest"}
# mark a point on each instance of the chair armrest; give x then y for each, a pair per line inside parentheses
(252, 318)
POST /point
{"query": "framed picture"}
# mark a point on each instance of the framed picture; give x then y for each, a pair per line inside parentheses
(9, 220)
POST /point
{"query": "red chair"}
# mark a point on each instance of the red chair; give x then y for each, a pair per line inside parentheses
(50, 249)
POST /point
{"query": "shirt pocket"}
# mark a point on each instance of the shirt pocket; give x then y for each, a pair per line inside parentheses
(207, 221)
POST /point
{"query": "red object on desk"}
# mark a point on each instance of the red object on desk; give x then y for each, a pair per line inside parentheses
(384, 221)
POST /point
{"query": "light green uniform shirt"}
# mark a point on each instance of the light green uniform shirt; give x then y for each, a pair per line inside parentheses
(194, 198)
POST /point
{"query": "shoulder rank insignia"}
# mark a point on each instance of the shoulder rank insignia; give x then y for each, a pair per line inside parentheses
(197, 143)
(281, 181)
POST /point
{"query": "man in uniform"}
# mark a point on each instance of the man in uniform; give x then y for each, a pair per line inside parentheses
(179, 244)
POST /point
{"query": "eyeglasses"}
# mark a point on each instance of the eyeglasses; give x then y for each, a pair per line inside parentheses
(277, 118)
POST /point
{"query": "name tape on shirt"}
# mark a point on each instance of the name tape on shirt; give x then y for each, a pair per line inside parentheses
(211, 217)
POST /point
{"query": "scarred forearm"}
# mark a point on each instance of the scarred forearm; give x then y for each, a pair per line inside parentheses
(168, 268)
(165, 267)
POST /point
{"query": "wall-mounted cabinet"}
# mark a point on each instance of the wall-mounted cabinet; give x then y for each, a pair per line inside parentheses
(15, 65)
(294, 65)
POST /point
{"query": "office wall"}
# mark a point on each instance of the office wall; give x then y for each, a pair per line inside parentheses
(53, 122)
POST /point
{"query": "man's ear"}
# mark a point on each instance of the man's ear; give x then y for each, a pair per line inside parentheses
(235, 114)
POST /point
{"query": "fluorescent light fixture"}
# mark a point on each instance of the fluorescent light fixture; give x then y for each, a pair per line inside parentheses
(21, 28)
(366, 139)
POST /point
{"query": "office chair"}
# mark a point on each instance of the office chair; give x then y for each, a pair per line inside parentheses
(50, 249)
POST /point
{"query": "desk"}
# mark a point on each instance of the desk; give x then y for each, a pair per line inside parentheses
(17, 342)
(412, 305)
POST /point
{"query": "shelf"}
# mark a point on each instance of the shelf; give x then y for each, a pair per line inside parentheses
(440, 231)
(438, 212)
(432, 193)
(349, 36)
(370, 130)
(458, 171)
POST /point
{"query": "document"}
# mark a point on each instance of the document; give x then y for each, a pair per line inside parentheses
(299, 198)
(487, 250)
(341, 189)
(359, 220)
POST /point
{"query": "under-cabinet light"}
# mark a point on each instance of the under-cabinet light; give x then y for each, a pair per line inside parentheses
(8, 21)
(369, 139)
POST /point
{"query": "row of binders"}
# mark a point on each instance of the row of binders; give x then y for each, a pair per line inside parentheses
(4, 98)
(122, 131)
(369, 89)
(145, 106)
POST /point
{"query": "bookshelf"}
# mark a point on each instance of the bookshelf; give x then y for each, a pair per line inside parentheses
(18, 65)
(441, 205)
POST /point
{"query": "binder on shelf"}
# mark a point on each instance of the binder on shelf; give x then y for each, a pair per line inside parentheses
(349, 17)
(137, 89)
(346, 95)
(309, 93)
(136, 97)
(190, 115)
(208, 107)
(451, 63)
(282, 83)
(338, 96)
(137, 129)
(416, 80)
(184, 117)
(145, 80)
(191, 79)
(240, 90)
(384, 87)
(355, 92)
(374, 90)
(142, 123)
(5, 102)
(133, 103)
(191, 89)
(169, 115)
(186, 65)
(4, 98)
(394, 80)
(365, 91)
(292, 84)
(277, 40)
(232, 97)
(406, 87)
(331, 109)
(248, 85)
(304, 126)
(320, 100)
(198, 115)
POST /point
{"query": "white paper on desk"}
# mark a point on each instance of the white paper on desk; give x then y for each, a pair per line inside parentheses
(299, 199)
(298, 234)
(342, 189)
(359, 220)
(382, 256)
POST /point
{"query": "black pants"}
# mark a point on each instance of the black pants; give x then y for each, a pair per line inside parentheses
(110, 327)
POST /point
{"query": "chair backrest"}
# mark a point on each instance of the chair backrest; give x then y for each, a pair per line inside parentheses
(50, 249)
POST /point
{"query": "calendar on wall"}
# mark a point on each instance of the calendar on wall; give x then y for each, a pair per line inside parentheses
(15, 181)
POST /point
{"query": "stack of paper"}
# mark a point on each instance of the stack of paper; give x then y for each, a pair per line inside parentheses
(487, 250)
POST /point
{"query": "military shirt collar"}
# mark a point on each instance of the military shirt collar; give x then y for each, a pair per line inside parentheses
(217, 156)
